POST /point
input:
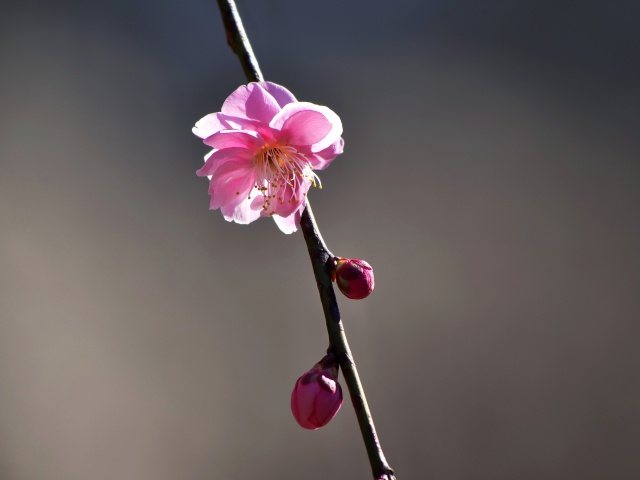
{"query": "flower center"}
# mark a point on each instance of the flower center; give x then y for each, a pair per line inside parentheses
(279, 167)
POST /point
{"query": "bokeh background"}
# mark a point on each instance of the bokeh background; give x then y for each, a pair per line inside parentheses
(490, 177)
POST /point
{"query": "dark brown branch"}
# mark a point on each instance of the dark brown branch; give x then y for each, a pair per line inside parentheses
(238, 40)
(321, 261)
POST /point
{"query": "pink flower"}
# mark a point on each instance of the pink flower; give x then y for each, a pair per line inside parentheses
(353, 277)
(266, 146)
(317, 396)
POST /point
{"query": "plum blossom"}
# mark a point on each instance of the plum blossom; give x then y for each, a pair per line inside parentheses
(266, 149)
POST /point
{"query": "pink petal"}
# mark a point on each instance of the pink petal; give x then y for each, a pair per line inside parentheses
(231, 183)
(235, 139)
(217, 158)
(323, 158)
(208, 125)
(306, 124)
(289, 224)
(251, 101)
(261, 105)
(257, 201)
(279, 93)
(243, 213)
(241, 123)
(235, 104)
(215, 122)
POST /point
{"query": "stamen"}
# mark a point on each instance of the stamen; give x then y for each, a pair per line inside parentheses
(280, 166)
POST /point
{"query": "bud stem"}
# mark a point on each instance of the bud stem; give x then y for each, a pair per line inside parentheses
(321, 261)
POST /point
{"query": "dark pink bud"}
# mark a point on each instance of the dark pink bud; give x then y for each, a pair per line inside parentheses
(354, 277)
(317, 396)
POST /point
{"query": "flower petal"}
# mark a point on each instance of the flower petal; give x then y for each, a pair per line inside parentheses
(279, 93)
(323, 158)
(251, 101)
(235, 139)
(306, 124)
(231, 183)
(208, 125)
(243, 213)
(235, 104)
(291, 223)
(216, 158)
(247, 124)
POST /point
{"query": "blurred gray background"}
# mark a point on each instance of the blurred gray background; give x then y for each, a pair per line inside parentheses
(490, 176)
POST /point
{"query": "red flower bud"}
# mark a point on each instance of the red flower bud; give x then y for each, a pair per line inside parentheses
(317, 396)
(354, 277)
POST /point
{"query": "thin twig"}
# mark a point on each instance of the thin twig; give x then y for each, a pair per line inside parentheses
(238, 40)
(321, 261)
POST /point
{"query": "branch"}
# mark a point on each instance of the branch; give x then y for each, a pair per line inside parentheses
(321, 261)
(238, 40)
